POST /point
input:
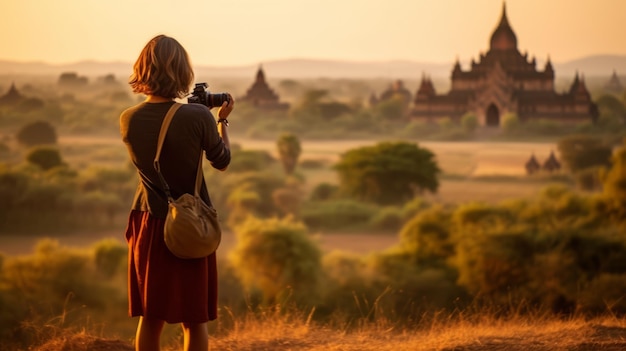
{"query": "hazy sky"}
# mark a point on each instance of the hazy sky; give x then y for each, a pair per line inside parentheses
(235, 32)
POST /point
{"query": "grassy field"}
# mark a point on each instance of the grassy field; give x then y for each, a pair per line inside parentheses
(483, 333)
(472, 171)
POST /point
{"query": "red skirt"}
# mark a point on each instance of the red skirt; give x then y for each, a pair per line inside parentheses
(163, 286)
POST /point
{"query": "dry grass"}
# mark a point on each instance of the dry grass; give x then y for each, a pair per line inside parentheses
(84, 342)
(485, 334)
(274, 332)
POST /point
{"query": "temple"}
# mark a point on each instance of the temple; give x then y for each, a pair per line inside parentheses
(551, 164)
(614, 85)
(396, 90)
(262, 96)
(504, 81)
(11, 97)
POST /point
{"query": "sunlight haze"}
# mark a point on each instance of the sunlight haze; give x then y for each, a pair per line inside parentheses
(239, 32)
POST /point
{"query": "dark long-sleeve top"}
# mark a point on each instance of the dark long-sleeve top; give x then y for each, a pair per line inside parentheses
(192, 131)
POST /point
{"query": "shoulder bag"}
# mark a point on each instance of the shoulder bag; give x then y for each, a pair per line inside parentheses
(191, 226)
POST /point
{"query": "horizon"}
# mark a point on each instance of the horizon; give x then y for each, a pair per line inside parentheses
(286, 59)
(281, 30)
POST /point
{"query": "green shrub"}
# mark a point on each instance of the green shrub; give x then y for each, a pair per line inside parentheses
(579, 152)
(324, 191)
(278, 258)
(387, 219)
(337, 214)
(510, 123)
(110, 257)
(52, 282)
(605, 293)
(45, 157)
(469, 122)
(588, 179)
(250, 160)
(427, 236)
(263, 184)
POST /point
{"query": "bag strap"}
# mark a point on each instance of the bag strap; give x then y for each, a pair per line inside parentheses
(157, 166)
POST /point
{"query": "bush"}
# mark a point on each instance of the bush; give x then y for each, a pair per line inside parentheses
(110, 257)
(427, 236)
(387, 219)
(469, 122)
(337, 214)
(37, 133)
(582, 151)
(45, 157)
(510, 123)
(278, 258)
(588, 179)
(324, 191)
(257, 186)
(54, 285)
(250, 161)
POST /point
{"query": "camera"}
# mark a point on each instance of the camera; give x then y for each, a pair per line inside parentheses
(200, 95)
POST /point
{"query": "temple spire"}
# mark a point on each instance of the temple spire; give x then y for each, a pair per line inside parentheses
(503, 38)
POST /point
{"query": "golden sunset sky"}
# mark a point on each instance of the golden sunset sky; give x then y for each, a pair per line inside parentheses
(236, 32)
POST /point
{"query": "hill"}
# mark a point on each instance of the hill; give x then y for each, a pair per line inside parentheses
(598, 65)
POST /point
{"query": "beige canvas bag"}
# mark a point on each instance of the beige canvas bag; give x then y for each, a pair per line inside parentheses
(191, 226)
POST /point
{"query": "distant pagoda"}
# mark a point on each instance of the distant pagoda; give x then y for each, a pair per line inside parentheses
(504, 81)
(396, 90)
(12, 96)
(614, 85)
(532, 165)
(262, 96)
(551, 164)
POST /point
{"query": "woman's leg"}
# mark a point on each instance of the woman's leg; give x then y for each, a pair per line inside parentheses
(196, 336)
(148, 336)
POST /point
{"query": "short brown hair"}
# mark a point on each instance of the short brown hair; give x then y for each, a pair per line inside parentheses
(162, 69)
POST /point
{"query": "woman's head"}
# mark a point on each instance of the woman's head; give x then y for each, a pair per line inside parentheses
(162, 69)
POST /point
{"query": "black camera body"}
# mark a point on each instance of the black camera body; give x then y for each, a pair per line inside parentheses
(200, 95)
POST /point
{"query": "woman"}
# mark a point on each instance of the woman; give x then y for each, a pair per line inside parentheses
(161, 287)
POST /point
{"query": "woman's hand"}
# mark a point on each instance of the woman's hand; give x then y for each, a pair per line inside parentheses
(226, 108)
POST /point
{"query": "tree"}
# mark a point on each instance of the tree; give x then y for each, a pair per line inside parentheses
(72, 79)
(582, 151)
(391, 110)
(611, 109)
(289, 151)
(388, 173)
(45, 157)
(37, 133)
